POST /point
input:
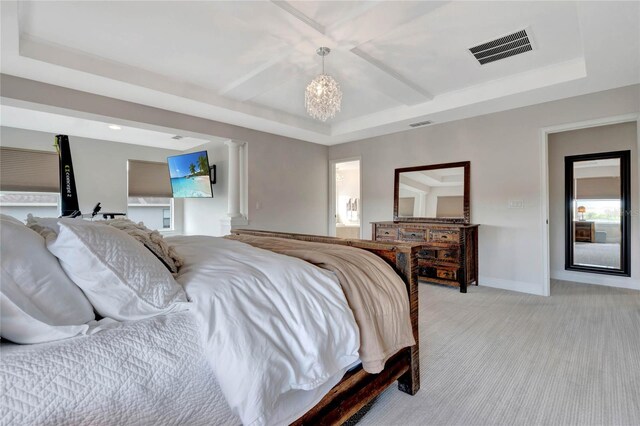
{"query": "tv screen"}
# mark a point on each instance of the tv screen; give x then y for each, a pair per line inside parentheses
(190, 176)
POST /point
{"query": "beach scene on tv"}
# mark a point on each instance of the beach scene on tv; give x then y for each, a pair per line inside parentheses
(190, 175)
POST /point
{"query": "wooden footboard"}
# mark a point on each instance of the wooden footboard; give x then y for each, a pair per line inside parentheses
(358, 387)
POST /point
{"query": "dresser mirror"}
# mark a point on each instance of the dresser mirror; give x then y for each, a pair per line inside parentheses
(433, 193)
(597, 213)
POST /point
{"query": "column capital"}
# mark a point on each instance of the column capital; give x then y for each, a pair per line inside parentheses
(234, 143)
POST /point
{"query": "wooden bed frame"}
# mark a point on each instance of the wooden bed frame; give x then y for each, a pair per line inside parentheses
(358, 387)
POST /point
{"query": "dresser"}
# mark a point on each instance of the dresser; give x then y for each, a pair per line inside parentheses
(585, 231)
(449, 255)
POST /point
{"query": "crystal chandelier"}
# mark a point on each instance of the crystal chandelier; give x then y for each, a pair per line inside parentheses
(323, 96)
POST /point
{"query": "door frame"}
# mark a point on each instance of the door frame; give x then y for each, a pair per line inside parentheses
(544, 179)
(331, 222)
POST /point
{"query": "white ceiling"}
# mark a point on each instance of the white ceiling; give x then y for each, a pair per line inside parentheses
(247, 62)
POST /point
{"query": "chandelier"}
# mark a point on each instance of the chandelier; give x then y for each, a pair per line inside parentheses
(323, 97)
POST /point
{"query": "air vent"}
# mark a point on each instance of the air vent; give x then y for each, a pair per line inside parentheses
(421, 123)
(177, 137)
(509, 45)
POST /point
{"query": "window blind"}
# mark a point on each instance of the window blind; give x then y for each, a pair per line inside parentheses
(599, 188)
(149, 179)
(24, 170)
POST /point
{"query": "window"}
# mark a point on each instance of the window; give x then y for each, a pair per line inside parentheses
(20, 204)
(29, 183)
(150, 199)
(154, 212)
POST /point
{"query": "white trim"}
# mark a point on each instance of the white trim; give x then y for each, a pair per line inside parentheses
(544, 200)
(596, 279)
(544, 211)
(520, 286)
(229, 223)
(331, 222)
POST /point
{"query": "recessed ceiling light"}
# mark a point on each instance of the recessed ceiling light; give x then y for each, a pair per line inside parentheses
(114, 127)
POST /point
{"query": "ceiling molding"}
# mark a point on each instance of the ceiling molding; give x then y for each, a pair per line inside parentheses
(393, 74)
(398, 62)
(287, 7)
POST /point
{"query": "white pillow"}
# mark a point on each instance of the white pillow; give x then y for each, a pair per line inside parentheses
(23, 322)
(37, 275)
(10, 219)
(121, 278)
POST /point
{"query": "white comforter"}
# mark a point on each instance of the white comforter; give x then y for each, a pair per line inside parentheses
(267, 333)
(273, 326)
(149, 372)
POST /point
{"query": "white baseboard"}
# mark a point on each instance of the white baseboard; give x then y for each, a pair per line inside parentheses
(598, 279)
(520, 286)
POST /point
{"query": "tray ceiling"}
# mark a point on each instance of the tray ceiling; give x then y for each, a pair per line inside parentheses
(247, 63)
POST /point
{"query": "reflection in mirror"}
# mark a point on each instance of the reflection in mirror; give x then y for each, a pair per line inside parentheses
(435, 193)
(597, 199)
(596, 212)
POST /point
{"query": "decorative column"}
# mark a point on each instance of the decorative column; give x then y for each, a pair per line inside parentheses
(235, 186)
(233, 189)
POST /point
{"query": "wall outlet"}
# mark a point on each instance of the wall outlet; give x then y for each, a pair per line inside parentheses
(258, 205)
(516, 204)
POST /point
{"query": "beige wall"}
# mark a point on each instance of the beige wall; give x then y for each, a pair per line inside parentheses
(506, 154)
(288, 178)
(617, 137)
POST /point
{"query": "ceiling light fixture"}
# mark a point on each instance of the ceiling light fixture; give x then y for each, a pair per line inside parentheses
(114, 127)
(323, 97)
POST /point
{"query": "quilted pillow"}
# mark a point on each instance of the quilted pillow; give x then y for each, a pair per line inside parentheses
(152, 240)
(120, 277)
(48, 227)
(39, 301)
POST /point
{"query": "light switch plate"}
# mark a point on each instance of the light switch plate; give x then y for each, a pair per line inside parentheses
(516, 204)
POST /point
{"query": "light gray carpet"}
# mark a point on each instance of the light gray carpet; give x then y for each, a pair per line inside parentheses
(597, 254)
(494, 357)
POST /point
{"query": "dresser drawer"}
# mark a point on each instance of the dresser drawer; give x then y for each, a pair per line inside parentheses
(450, 255)
(412, 234)
(446, 274)
(441, 254)
(435, 272)
(444, 235)
(389, 234)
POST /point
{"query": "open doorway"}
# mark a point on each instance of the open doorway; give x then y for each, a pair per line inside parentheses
(585, 229)
(346, 212)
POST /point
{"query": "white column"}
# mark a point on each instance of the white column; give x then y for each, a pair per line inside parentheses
(233, 189)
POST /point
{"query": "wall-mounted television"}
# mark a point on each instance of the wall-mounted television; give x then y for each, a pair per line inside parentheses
(190, 175)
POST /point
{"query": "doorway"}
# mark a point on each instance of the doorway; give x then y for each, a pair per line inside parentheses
(597, 136)
(346, 204)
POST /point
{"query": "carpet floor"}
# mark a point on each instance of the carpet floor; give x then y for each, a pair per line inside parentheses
(495, 357)
(597, 254)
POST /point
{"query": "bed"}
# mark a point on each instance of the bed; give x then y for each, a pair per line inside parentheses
(170, 368)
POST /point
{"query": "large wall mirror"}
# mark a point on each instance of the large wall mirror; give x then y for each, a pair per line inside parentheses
(598, 205)
(434, 193)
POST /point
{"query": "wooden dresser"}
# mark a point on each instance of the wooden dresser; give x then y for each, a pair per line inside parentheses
(585, 231)
(450, 252)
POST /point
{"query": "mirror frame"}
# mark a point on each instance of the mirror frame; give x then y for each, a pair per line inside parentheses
(625, 212)
(465, 219)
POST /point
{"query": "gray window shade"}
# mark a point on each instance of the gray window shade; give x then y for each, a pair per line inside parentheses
(449, 206)
(25, 170)
(149, 179)
(600, 188)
